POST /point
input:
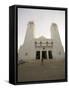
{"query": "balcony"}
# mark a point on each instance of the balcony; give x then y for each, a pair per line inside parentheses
(43, 44)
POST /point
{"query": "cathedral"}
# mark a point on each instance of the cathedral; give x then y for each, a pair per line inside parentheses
(35, 49)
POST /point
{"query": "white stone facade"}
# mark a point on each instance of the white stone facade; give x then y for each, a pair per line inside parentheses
(41, 48)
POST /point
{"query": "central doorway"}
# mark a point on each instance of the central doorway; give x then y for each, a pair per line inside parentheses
(50, 54)
(44, 54)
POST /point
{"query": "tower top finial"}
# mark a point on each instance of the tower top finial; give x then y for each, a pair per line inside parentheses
(31, 22)
(54, 23)
(54, 26)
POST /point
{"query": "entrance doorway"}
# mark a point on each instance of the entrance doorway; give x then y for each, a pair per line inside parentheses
(44, 54)
(50, 54)
(37, 54)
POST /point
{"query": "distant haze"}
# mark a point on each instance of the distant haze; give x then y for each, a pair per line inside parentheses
(43, 20)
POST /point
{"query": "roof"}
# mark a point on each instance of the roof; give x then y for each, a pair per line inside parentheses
(42, 38)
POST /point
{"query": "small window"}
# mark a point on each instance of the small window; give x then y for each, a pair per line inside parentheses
(43, 47)
(59, 53)
(26, 54)
(40, 42)
(35, 42)
(46, 42)
(51, 42)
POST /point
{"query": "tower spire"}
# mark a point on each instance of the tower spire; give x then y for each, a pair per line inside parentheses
(54, 33)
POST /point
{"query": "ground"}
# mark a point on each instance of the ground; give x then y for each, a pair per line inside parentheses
(35, 71)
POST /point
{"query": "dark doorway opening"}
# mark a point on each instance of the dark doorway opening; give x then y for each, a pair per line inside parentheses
(44, 54)
(50, 54)
(37, 54)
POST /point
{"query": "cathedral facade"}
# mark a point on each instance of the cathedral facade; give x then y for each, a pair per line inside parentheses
(41, 48)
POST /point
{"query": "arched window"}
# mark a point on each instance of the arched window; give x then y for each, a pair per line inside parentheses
(47, 42)
(51, 42)
(35, 42)
(26, 54)
(40, 42)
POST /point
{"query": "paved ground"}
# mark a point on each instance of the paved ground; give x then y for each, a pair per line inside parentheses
(50, 70)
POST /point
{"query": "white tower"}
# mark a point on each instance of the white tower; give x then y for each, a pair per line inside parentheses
(58, 51)
(27, 50)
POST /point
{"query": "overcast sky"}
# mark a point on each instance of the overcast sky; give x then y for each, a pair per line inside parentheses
(43, 20)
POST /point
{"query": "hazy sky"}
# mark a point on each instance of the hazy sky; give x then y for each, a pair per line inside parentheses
(43, 20)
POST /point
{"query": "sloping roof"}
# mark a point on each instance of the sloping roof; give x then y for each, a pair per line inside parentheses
(42, 38)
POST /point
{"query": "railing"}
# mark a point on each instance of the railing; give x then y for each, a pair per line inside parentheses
(47, 44)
